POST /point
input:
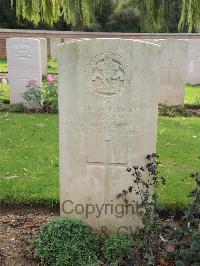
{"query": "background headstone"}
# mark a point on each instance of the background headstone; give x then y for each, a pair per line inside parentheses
(24, 64)
(193, 64)
(54, 43)
(173, 71)
(44, 55)
(108, 97)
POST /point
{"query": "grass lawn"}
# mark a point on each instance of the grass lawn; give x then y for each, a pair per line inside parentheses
(192, 95)
(29, 157)
(3, 66)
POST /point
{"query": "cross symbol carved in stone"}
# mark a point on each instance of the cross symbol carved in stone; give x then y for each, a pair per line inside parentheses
(108, 164)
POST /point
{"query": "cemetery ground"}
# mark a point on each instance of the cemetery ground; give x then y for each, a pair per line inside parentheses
(29, 186)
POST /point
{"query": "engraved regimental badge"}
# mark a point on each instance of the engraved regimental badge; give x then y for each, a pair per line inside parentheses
(106, 76)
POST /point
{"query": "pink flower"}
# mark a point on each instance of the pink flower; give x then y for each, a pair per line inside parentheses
(32, 81)
(50, 78)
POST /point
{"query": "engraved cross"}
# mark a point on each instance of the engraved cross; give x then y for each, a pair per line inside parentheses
(108, 164)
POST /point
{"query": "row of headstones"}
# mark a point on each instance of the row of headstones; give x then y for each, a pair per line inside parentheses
(27, 59)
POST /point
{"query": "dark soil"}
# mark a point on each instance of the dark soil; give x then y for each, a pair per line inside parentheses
(17, 226)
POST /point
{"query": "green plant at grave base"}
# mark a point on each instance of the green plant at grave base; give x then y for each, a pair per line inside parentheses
(116, 247)
(145, 189)
(66, 242)
(172, 111)
(50, 95)
(33, 93)
(177, 244)
(185, 240)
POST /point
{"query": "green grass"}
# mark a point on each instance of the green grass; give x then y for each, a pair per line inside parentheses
(29, 150)
(52, 66)
(3, 66)
(179, 149)
(4, 92)
(192, 95)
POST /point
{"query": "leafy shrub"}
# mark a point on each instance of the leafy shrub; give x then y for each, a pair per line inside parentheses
(185, 240)
(33, 94)
(163, 242)
(116, 247)
(50, 95)
(66, 242)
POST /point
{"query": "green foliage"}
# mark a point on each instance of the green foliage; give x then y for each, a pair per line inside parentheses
(50, 95)
(77, 13)
(190, 18)
(125, 18)
(180, 243)
(66, 242)
(186, 238)
(198, 101)
(116, 247)
(33, 94)
(158, 16)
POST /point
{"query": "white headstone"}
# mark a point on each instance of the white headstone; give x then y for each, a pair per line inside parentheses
(24, 64)
(193, 64)
(44, 55)
(108, 96)
(173, 71)
(54, 43)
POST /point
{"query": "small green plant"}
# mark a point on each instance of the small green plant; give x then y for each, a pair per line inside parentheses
(164, 240)
(145, 181)
(66, 242)
(50, 95)
(197, 102)
(33, 94)
(47, 98)
(185, 240)
(116, 247)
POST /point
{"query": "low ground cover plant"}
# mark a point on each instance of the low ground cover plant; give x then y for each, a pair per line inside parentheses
(66, 242)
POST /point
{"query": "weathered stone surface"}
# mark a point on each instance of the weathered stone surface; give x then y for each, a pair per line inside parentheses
(54, 43)
(173, 71)
(44, 55)
(193, 64)
(108, 96)
(24, 64)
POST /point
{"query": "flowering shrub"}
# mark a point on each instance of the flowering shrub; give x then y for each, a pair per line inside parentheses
(50, 94)
(33, 94)
(47, 98)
